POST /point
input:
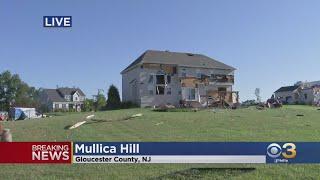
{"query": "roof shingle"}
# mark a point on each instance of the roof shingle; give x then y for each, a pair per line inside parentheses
(287, 88)
(178, 58)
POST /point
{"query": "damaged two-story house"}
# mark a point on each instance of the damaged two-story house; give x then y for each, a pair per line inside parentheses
(161, 77)
(300, 93)
(64, 99)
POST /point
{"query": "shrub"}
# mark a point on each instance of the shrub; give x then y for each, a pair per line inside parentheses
(113, 101)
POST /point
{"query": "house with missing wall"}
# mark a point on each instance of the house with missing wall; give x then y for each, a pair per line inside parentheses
(163, 77)
(64, 99)
(300, 93)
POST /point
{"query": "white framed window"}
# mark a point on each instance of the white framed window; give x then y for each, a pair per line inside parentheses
(189, 94)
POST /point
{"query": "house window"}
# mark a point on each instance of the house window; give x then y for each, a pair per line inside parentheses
(160, 84)
(67, 97)
(305, 96)
(159, 90)
(150, 81)
(168, 91)
(56, 106)
(174, 70)
(189, 94)
(192, 94)
(64, 106)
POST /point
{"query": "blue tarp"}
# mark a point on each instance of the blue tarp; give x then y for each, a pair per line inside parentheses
(17, 114)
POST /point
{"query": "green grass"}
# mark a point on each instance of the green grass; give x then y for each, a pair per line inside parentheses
(206, 125)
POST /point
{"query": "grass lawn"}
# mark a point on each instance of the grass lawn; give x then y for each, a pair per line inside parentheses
(207, 125)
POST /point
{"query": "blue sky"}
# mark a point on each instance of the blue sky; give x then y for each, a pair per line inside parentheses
(271, 43)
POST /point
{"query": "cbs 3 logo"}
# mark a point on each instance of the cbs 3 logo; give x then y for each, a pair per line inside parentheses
(288, 150)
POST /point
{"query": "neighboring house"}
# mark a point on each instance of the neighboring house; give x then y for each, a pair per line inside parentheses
(163, 77)
(63, 99)
(301, 93)
(288, 94)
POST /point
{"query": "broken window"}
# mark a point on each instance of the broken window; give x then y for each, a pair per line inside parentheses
(160, 79)
(160, 84)
(222, 89)
(174, 70)
(159, 90)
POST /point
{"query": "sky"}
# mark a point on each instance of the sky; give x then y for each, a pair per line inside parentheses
(271, 43)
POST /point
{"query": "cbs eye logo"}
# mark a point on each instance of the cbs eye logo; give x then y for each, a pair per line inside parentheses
(288, 150)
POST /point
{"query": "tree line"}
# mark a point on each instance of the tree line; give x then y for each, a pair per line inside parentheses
(16, 93)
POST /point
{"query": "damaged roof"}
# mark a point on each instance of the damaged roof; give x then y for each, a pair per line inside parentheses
(179, 58)
(287, 88)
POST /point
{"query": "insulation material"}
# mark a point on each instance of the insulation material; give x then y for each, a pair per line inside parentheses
(188, 82)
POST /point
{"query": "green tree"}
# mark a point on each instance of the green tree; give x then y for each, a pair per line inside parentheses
(15, 92)
(88, 105)
(113, 101)
(100, 102)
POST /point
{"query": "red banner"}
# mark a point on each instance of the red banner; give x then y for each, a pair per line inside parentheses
(35, 152)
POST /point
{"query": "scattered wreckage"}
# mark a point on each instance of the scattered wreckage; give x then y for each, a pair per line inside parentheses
(271, 103)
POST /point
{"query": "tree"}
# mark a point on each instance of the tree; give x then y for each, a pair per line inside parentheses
(88, 105)
(100, 102)
(113, 101)
(15, 92)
